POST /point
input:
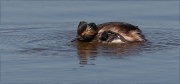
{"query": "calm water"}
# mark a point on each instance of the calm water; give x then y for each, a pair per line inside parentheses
(35, 43)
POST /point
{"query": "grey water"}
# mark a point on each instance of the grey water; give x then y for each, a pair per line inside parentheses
(35, 43)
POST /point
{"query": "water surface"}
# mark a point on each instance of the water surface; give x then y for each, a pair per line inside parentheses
(35, 42)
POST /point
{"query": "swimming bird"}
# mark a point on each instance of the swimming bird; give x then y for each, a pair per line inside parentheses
(119, 32)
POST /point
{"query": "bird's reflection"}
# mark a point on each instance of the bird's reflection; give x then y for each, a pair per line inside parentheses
(88, 51)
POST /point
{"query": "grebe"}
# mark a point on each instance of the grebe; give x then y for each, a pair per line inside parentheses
(119, 32)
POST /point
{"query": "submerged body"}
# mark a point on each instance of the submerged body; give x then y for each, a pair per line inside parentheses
(119, 32)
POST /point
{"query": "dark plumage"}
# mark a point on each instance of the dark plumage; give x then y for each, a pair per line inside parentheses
(109, 32)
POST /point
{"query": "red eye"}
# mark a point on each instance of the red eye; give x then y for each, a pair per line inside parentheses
(82, 34)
